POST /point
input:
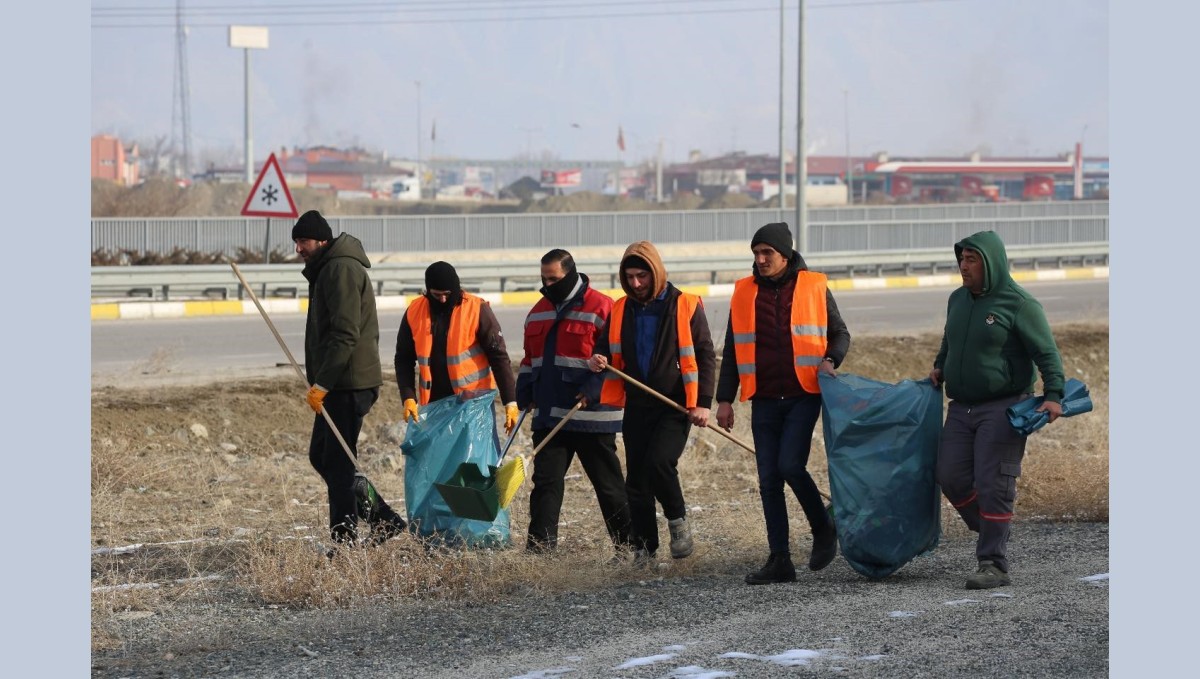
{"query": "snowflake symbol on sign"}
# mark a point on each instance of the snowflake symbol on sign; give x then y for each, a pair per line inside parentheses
(269, 195)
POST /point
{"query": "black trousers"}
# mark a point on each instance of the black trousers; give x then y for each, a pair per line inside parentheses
(654, 440)
(598, 455)
(347, 409)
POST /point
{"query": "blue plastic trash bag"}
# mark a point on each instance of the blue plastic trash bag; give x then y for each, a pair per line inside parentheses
(881, 441)
(449, 432)
(1023, 416)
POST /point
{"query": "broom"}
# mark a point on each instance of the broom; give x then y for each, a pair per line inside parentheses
(683, 410)
(510, 477)
(365, 496)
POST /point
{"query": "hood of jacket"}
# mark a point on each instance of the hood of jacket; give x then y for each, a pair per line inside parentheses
(344, 245)
(658, 273)
(995, 258)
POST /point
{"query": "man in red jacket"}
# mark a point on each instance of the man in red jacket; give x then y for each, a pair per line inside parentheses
(560, 334)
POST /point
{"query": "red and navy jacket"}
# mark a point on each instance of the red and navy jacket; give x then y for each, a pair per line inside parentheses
(554, 371)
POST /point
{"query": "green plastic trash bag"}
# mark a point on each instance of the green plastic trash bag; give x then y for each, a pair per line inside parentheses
(881, 441)
(449, 432)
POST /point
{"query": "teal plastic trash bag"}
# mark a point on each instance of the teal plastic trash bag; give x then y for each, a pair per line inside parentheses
(881, 441)
(449, 432)
(1025, 419)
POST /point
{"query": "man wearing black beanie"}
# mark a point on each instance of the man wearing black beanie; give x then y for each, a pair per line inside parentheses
(445, 323)
(783, 316)
(341, 358)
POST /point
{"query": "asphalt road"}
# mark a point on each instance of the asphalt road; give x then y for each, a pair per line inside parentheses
(127, 351)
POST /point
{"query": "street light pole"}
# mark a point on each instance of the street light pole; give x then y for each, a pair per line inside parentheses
(782, 163)
(801, 158)
(248, 38)
(420, 174)
(849, 166)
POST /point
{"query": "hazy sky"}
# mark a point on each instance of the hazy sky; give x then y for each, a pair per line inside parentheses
(503, 79)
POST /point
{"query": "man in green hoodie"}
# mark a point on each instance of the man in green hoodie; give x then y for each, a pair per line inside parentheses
(995, 334)
(341, 358)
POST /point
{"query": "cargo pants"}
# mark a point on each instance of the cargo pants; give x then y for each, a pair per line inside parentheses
(978, 464)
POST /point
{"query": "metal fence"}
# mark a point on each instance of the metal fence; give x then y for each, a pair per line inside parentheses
(830, 229)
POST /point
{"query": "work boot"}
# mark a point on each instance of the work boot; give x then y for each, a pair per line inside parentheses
(824, 548)
(681, 538)
(988, 576)
(778, 568)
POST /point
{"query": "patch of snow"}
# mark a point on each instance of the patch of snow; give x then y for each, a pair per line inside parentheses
(957, 602)
(673, 648)
(1100, 577)
(1000, 595)
(903, 614)
(647, 660)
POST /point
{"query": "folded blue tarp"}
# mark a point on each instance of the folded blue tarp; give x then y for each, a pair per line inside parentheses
(1023, 416)
(449, 432)
(881, 441)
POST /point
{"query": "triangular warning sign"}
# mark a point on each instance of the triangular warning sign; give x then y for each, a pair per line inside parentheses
(270, 196)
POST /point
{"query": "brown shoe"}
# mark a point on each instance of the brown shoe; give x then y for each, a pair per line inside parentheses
(988, 576)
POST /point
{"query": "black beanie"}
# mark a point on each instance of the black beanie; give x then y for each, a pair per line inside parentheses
(777, 236)
(441, 276)
(312, 225)
(635, 262)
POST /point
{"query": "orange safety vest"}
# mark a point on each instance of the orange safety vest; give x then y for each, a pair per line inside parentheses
(613, 391)
(465, 360)
(809, 324)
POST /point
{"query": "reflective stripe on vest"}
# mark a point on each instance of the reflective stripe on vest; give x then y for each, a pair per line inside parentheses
(466, 362)
(613, 391)
(808, 330)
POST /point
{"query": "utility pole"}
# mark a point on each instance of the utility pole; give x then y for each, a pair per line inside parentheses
(782, 162)
(181, 157)
(658, 174)
(801, 158)
(849, 166)
(420, 174)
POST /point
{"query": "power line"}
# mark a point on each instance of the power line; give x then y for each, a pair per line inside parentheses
(269, 13)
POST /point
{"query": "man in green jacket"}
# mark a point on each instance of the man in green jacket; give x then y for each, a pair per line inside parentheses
(995, 334)
(341, 358)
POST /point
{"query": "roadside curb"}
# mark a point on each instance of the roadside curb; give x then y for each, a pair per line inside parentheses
(141, 310)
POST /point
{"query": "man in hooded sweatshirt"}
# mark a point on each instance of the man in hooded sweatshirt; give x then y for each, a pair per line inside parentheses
(454, 339)
(561, 332)
(659, 336)
(995, 334)
(784, 328)
(341, 359)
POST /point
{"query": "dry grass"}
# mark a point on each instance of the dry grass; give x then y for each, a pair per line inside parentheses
(215, 484)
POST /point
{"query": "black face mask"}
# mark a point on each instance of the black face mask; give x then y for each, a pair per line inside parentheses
(437, 306)
(558, 292)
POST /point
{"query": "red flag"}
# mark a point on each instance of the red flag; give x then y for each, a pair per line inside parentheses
(620, 138)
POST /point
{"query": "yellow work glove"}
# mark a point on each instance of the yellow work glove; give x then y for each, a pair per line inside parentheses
(510, 416)
(315, 397)
(410, 409)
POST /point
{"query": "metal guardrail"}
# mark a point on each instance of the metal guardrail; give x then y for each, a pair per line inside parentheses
(217, 280)
(830, 229)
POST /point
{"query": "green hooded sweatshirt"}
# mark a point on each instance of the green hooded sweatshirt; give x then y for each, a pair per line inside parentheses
(341, 337)
(993, 340)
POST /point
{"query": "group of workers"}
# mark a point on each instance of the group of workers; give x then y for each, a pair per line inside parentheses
(582, 351)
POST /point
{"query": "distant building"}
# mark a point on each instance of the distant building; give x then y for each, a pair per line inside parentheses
(111, 160)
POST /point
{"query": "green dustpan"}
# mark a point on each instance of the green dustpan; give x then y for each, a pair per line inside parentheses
(470, 494)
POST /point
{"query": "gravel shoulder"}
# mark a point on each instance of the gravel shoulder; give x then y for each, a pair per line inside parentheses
(917, 622)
